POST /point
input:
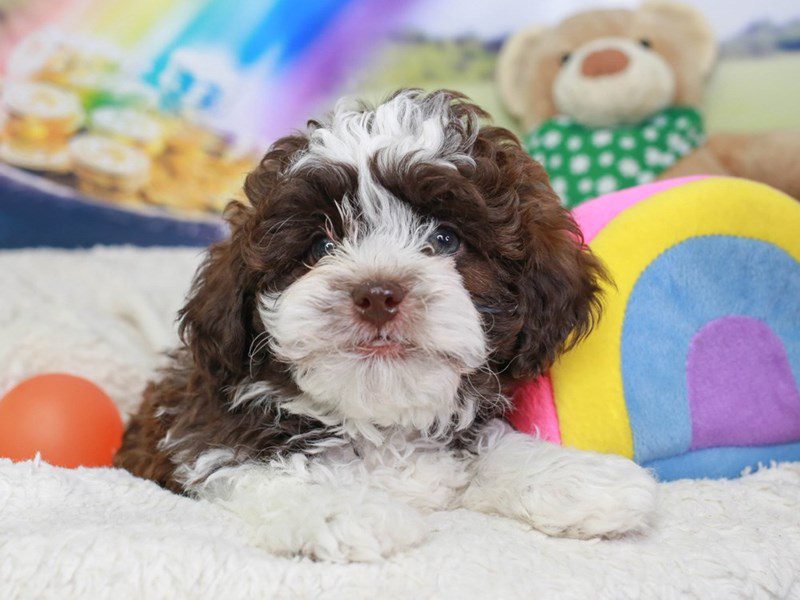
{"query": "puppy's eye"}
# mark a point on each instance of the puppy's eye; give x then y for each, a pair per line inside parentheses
(645, 43)
(444, 241)
(565, 57)
(321, 247)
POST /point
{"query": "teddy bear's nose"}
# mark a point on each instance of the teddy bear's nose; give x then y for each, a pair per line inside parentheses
(604, 62)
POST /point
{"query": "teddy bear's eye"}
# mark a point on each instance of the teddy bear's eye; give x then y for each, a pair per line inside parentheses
(565, 57)
(645, 43)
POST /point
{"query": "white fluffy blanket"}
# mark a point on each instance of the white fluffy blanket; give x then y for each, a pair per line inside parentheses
(105, 314)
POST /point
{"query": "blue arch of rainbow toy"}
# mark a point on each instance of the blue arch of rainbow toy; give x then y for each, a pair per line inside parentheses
(688, 285)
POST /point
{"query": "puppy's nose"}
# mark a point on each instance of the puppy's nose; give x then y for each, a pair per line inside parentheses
(377, 302)
(604, 62)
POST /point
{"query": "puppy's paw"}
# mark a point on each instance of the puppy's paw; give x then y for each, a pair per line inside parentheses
(593, 495)
(561, 491)
(342, 528)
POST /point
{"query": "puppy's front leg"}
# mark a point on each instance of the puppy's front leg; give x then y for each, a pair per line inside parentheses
(294, 511)
(559, 491)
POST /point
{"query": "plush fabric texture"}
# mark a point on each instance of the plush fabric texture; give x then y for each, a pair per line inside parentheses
(536, 410)
(594, 216)
(106, 313)
(584, 162)
(678, 297)
(683, 256)
(102, 533)
(740, 385)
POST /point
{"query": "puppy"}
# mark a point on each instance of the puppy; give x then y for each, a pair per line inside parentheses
(347, 351)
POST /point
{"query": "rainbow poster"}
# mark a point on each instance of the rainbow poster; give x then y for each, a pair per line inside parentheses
(252, 67)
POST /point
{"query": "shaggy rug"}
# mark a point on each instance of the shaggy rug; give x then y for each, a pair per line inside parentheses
(106, 314)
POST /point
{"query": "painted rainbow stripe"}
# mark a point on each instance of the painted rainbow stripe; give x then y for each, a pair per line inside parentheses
(289, 58)
(645, 383)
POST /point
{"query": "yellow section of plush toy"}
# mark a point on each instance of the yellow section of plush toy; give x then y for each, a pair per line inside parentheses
(587, 381)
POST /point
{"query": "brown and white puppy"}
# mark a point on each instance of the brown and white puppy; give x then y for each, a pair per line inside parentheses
(347, 349)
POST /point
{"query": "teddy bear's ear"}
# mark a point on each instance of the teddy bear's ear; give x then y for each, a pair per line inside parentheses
(694, 25)
(515, 68)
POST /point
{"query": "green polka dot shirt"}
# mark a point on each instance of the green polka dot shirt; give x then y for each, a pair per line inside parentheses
(585, 162)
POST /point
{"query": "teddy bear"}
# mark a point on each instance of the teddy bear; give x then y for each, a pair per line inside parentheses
(610, 99)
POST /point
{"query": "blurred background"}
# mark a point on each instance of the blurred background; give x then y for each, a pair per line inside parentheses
(135, 122)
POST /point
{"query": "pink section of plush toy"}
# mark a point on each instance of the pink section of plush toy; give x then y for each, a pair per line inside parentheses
(535, 411)
(592, 216)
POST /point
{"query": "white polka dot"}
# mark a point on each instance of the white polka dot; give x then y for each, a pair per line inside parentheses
(627, 142)
(677, 143)
(650, 134)
(601, 137)
(652, 156)
(556, 160)
(559, 185)
(538, 157)
(551, 139)
(628, 167)
(579, 164)
(660, 121)
(645, 177)
(605, 159)
(606, 184)
(682, 123)
(585, 185)
(574, 143)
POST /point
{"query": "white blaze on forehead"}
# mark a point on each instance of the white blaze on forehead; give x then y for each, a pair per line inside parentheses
(312, 324)
(410, 128)
(386, 224)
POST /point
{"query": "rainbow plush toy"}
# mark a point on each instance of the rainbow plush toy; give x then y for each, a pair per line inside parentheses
(694, 367)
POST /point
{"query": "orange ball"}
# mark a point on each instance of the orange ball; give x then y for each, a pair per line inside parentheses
(68, 419)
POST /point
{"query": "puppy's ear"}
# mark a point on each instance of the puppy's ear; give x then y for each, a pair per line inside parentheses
(262, 181)
(552, 275)
(559, 287)
(217, 323)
